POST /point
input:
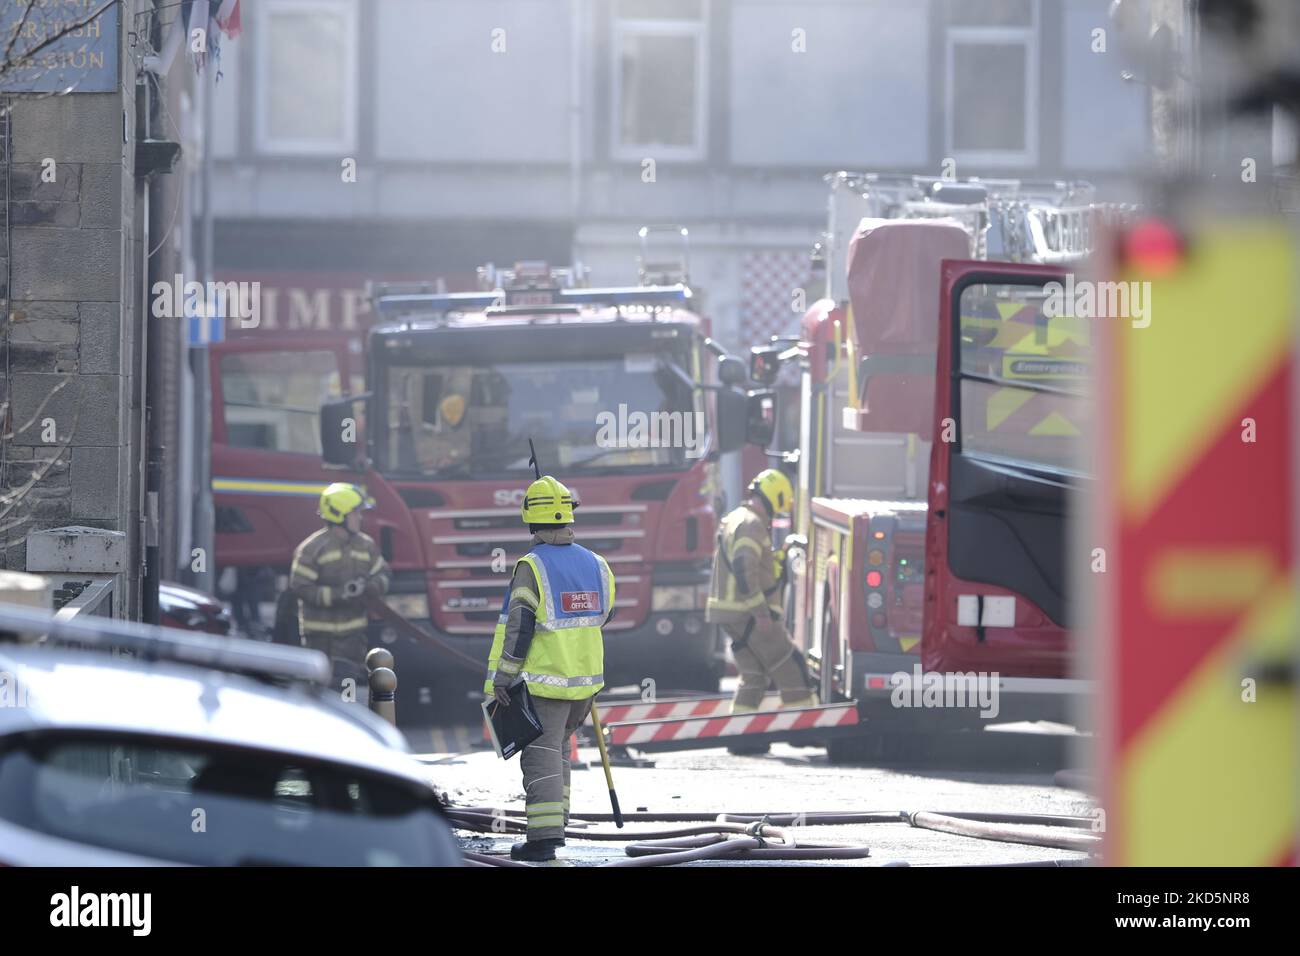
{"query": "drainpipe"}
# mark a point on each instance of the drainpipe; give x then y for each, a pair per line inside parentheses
(576, 8)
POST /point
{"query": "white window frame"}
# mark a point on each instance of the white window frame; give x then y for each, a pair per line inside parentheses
(695, 29)
(1027, 36)
(267, 140)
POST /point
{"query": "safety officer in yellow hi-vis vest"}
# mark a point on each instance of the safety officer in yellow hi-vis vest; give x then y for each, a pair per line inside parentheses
(333, 573)
(549, 635)
(746, 597)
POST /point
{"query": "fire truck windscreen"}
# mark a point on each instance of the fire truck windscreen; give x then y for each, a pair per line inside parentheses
(586, 415)
(1024, 369)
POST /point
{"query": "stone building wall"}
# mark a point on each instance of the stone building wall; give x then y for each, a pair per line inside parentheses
(72, 264)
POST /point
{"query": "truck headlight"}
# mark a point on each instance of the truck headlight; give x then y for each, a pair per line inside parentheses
(409, 606)
(674, 598)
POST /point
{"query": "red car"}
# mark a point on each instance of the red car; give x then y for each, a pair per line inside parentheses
(191, 610)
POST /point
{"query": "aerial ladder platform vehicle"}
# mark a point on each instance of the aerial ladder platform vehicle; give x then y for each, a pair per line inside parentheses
(951, 562)
(941, 427)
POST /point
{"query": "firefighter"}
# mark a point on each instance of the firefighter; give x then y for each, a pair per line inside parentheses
(549, 634)
(746, 597)
(334, 572)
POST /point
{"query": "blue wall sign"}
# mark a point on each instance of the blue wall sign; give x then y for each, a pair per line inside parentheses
(82, 61)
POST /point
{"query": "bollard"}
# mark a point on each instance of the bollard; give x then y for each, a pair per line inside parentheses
(383, 694)
(383, 684)
(378, 657)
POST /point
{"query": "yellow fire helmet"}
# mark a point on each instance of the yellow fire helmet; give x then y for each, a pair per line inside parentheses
(453, 410)
(774, 488)
(341, 499)
(547, 501)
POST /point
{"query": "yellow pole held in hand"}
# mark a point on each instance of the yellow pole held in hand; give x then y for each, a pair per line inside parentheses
(604, 759)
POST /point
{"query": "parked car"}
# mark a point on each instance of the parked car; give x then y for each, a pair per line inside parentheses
(191, 610)
(108, 760)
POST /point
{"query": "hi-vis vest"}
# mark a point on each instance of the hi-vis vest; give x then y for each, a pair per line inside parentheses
(566, 659)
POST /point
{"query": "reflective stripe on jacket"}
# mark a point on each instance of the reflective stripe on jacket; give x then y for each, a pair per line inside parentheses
(321, 566)
(743, 568)
(574, 595)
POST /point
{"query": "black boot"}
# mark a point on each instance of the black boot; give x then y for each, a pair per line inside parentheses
(535, 851)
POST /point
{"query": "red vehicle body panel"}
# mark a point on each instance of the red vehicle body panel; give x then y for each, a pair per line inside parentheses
(632, 534)
(844, 537)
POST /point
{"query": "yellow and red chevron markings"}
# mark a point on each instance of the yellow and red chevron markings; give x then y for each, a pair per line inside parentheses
(1201, 582)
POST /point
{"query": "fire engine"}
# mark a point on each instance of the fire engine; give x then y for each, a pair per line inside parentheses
(941, 416)
(618, 392)
(942, 409)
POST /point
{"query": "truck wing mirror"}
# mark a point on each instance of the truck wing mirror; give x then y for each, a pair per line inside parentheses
(732, 408)
(340, 434)
(745, 418)
(760, 417)
(765, 363)
(731, 371)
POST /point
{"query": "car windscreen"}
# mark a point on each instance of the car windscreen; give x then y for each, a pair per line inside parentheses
(590, 415)
(216, 806)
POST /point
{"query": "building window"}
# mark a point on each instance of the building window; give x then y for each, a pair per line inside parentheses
(306, 76)
(991, 82)
(660, 79)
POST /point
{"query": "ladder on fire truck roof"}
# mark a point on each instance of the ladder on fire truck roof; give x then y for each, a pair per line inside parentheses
(1038, 221)
(1043, 221)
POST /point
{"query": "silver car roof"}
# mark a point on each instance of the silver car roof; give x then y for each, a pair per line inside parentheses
(59, 689)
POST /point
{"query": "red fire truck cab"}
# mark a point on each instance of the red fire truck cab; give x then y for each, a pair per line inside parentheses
(615, 389)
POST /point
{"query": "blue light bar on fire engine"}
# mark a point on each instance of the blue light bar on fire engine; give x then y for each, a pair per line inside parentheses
(390, 306)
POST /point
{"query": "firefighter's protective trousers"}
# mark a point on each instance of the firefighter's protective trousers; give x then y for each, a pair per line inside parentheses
(766, 656)
(545, 765)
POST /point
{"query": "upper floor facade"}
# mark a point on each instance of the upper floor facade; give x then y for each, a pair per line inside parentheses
(570, 110)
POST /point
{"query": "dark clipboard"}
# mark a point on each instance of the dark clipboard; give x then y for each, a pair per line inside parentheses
(515, 727)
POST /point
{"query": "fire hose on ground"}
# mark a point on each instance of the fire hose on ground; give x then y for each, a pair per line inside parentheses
(756, 836)
(720, 834)
(720, 840)
(980, 830)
